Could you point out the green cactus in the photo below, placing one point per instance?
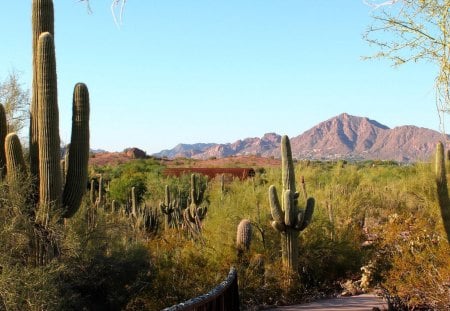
(288, 219)
(244, 236)
(15, 163)
(442, 190)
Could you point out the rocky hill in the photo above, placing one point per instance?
(342, 137)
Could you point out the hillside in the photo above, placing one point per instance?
(341, 137)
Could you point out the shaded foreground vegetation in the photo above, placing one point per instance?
(375, 225)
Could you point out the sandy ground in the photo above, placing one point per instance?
(365, 302)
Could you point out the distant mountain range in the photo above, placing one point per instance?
(342, 137)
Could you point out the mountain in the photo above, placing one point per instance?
(184, 150)
(342, 137)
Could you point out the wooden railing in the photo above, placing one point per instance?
(224, 297)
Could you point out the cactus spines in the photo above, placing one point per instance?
(77, 164)
(244, 235)
(42, 21)
(288, 219)
(50, 183)
(442, 190)
(15, 162)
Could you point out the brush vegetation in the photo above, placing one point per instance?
(375, 225)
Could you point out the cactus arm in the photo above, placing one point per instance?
(14, 159)
(279, 226)
(306, 219)
(287, 165)
(77, 171)
(167, 195)
(275, 206)
(290, 213)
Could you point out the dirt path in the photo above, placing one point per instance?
(365, 302)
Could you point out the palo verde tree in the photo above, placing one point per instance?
(116, 6)
(409, 31)
(15, 99)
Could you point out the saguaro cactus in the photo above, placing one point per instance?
(288, 218)
(77, 162)
(50, 183)
(42, 21)
(197, 209)
(167, 208)
(442, 190)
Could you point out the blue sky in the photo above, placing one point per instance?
(185, 71)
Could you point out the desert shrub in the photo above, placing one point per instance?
(120, 188)
(183, 269)
(412, 257)
(90, 267)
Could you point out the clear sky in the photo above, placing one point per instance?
(189, 71)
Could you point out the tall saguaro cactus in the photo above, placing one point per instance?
(288, 218)
(50, 183)
(45, 166)
(442, 190)
(77, 162)
(42, 21)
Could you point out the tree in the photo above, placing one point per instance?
(16, 100)
(408, 31)
(116, 5)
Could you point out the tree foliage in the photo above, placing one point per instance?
(411, 31)
(16, 99)
(117, 8)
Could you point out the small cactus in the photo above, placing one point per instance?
(197, 209)
(133, 202)
(168, 208)
(244, 235)
(15, 162)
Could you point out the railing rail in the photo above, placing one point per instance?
(224, 297)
